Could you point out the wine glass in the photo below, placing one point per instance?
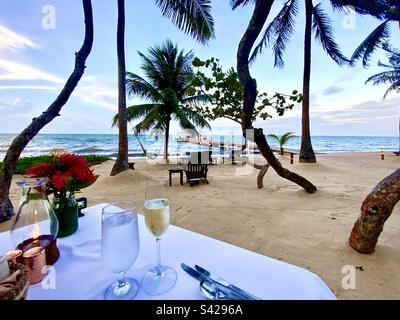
(120, 248)
(160, 278)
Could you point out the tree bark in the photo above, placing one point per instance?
(307, 154)
(375, 210)
(166, 139)
(121, 163)
(258, 19)
(22, 140)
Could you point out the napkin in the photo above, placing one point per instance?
(9, 283)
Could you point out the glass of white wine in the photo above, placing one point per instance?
(160, 278)
(120, 248)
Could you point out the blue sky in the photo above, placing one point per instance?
(35, 62)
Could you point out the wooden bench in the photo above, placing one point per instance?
(396, 153)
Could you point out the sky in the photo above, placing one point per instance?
(38, 39)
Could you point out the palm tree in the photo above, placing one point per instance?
(282, 140)
(121, 163)
(278, 34)
(167, 87)
(191, 16)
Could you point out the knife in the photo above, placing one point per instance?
(199, 276)
(216, 279)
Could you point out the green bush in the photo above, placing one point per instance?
(26, 162)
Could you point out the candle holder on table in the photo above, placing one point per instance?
(34, 229)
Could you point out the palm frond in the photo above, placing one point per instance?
(195, 100)
(236, 3)
(136, 85)
(196, 118)
(191, 16)
(280, 29)
(152, 119)
(324, 34)
(286, 137)
(274, 136)
(394, 87)
(375, 40)
(384, 77)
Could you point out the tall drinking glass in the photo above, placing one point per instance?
(160, 278)
(120, 248)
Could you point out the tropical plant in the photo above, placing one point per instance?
(225, 94)
(260, 14)
(392, 74)
(282, 140)
(37, 124)
(388, 11)
(191, 16)
(167, 87)
(278, 33)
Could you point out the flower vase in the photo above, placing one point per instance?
(66, 210)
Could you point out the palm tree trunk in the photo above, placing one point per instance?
(121, 164)
(166, 139)
(22, 140)
(260, 15)
(307, 154)
(375, 210)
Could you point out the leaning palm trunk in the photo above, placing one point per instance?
(306, 151)
(22, 140)
(375, 210)
(260, 15)
(121, 163)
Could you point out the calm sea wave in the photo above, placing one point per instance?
(107, 144)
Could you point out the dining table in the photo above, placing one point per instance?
(79, 273)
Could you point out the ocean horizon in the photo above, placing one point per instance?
(107, 144)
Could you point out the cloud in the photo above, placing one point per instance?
(11, 70)
(367, 112)
(27, 87)
(97, 91)
(17, 106)
(11, 40)
(331, 90)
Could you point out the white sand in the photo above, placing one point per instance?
(281, 220)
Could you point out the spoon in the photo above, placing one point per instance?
(211, 292)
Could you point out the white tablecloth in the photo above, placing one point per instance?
(80, 274)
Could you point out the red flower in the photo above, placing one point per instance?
(70, 160)
(41, 169)
(68, 173)
(58, 180)
(81, 174)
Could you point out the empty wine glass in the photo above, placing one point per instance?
(160, 278)
(120, 248)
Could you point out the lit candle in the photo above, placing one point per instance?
(35, 259)
(4, 269)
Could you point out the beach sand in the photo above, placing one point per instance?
(281, 220)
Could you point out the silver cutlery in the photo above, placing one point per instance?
(209, 290)
(244, 294)
(225, 290)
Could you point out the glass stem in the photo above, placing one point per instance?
(121, 279)
(158, 267)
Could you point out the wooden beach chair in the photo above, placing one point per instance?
(196, 173)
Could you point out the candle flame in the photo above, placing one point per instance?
(36, 232)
